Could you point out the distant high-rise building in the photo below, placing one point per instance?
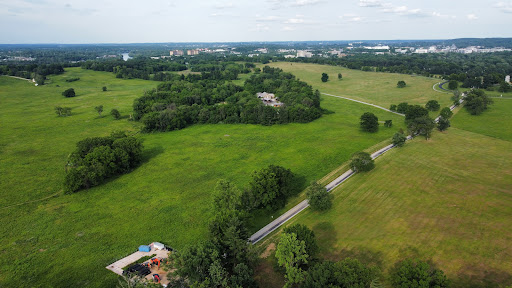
(507, 78)
(176, 52)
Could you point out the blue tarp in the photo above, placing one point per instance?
(144, 248)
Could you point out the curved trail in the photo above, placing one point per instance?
(434, 88)
(376, 106)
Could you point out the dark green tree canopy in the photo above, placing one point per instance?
(362, 162)
(96, 159)
(347, 273)
(476, 101)
(446, 113)
(401, 84)
(421, 126)
(69, 93)
(318, 197)
(402, 107)
(399, 139)
(369, 122)
(443, 124)
(270, 187)
(415, 111)
(325, 77)
(305, 234)
(453, 84)
(415, 273)
(433, 105)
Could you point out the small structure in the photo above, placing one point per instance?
(144, 248)
(507, 78)
(269, 99)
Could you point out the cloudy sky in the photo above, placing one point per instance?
(130, 21)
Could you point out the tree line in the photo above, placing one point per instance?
(180, 103)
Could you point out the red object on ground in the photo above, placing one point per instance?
(156, 277)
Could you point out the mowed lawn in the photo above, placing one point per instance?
(447, 200)
(67, 240)
(375, 88)
(496, 121)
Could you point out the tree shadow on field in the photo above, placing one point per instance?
(326, 236)
(150, 153)
(364, 255)
(480, 276)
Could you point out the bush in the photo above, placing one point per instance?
(388, 123)
(325, 77)
(369, 122)
(72, 79)
(399, 139)
(104, 88)
(63, 111)
(115, 113)
(433, 105)
(69, 93)
(318, 197)
(393, 107)
(401, 84)
(362, 162)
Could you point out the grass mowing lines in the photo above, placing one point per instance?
(447, 199)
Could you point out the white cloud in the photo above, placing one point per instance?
(224, 5)
(267, 18)
(294, 21)
(261, 27)
(437, 14)
(352, 18)
(505, 7)
(371, 3)
(472, 17)
(288, 28)
(405, 11)
(306, 2)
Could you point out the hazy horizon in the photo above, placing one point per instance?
(170, 21)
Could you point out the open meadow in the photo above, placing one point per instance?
(376, 88)
(447, 200)
(67, 240)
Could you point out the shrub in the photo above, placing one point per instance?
(399, 139)
(115, 113)
(446, 113)
(401, 84)
(69, 93)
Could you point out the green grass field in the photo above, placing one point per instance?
(67, 240)
(447, 200)
(375, 88)
(496, 121)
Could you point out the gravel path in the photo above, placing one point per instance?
(376, 106)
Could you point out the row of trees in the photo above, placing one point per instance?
(98, 158)
(139, 67)
(178, 104)
(32, 71)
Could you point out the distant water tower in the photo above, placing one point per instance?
(507, 78)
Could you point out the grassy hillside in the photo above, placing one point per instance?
(375, 88)
(447, 200)
(69, 239)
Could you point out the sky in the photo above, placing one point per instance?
(156, 21)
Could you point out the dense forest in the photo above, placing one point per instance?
(180, 103)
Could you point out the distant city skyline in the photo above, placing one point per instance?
(152, 21)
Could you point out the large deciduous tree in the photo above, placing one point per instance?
(318, 197)
(476, 101)
(291, 254)
(69, 93)
(362, 162)
(325, 77)
(369, 122)
(347, 273)
(433, 105)
(270, 187)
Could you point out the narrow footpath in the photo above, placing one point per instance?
(369, 104)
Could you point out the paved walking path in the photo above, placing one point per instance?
(278, 222)
(376, 106)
